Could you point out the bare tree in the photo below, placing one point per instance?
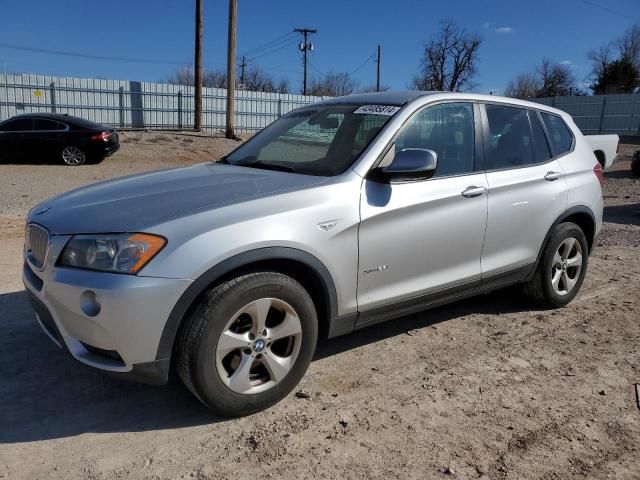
(628, 45)
(373, 89)
(525, 85)
(549, 79)
(449, 61)
(333, 85)
(185, 75)
(600, 58)
(256, 79)
(557, 79)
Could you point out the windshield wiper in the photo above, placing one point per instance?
(267, 166)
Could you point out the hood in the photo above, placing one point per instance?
(136, 202)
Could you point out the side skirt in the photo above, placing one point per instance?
(343, 325)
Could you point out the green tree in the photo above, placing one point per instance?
(618, 76)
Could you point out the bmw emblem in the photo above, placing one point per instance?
(259, 346)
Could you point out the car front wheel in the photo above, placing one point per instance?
(248, 343)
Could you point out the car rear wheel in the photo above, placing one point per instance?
(562, 267)
(73, 156)
(248, 343)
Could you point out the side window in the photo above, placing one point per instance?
(18, 125)
(541, 150)
(447, 129)
(559, 133)
(42, 124)
(509, 143)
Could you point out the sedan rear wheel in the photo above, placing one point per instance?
(73, 156)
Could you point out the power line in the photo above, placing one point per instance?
(315, 69)
(269, 52)
(265, 46)
(86, 55)
(610, 10)
(361, 66)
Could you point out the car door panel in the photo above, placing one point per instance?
(522, 207)
(417, 238)
(424, 236)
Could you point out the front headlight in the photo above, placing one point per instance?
(118, 253)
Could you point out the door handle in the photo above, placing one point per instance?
(551, 176)
(473, 191)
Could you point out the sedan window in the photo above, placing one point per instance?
(43, 124)
(17, 125)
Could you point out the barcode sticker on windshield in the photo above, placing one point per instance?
(378, 109)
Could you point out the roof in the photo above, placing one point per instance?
(403, 97)
(379, 98)
(50, 116)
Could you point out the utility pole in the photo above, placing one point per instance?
(305, 47)
(197, 122)
(231, 69)
(378, 70)
(243, 64)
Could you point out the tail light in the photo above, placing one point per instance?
(104, 136)
(597, 169)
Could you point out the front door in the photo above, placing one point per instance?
(425, 236)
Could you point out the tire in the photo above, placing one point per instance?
(558, 277)
(635, 164)
(73, 156)
(221, 338)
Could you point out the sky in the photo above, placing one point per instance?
(158, 36)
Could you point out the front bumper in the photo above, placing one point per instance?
(122, 337)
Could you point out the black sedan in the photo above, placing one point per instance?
(49, 135)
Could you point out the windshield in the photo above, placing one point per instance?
(319, 140)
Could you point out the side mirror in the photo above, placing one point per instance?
(410, 164)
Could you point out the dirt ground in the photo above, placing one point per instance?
(491, 387)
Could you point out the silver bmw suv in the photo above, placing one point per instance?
(337, 216)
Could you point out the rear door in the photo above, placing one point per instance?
(46, 137)
(422, 237)
(527, 189)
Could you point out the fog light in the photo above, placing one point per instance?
(89, 303)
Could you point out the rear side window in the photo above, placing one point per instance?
(17, 125)
(509, 143)
(447, 129)
(541, 150)
(559, 133)
(43, 124)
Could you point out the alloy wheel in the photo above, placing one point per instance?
(566, 267)
(258, 346)
(73, 156)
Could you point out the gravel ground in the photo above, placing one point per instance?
(139, 152)
(491, 387)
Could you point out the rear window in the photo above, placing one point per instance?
(559, 133)
(541, 150)
(44, 124)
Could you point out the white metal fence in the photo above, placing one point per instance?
(601, 113)
(139, 105)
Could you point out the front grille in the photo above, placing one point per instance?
(37, 244)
